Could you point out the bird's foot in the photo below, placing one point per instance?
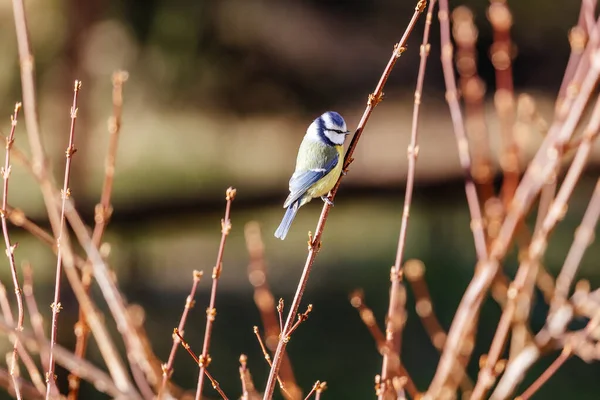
(327, 200)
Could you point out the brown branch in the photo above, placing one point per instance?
(396, 315)
(320, 389)
(103, 213)
(366, 315)
(68, 360)
(56, 306)
(265, 302)
(556, 364)
(584, 235)
(199, 362)
(414, 270)
(528, 267)
(211, 311)
(460, 133)
(189, 304)
(248, 389)
(267, 356)
(10, 248)
(539, 171)
(40, 171)
(26, 358)
(473, 89)
(315, 242)
(501, 54)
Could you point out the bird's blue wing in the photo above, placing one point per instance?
(302, 180)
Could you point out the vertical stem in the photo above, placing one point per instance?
(396, 312)
(102, 216)
(211, 311)
(65, 194)
(315, 243)
(10, 249)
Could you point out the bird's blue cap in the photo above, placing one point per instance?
(335, 118)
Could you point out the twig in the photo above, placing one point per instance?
(501, 56)
(473, 91)
(198, 361)
(556, 364)
(211, 311)
(368, 318)
(584, 235)
(37, 322)
(265, 302)
(10, 248)
(29, 391)
(40, 171)
(68, 360)
(102, 215)
(320, 389)
(396, 315)
(32, 370)
(460, 133)
(314, 388)
(536, 249)
(315, 242)
(248, 389)
(189, 304)
(268, 360)
(65, 193)
(414, 271)
(538, 172)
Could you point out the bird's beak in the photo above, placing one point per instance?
(347, 133)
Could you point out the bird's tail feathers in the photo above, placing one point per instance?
(286, 222)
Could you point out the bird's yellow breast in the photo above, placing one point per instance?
(324, 185)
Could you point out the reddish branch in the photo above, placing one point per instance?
(211, 311)
(10, 248)
(65, 194)
(103, 213)
(315, 241)
(396, 315)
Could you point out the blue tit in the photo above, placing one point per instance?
(318, 166)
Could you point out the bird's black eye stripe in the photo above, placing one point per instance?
(336, 131)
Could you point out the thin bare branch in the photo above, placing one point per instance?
(315, 241)
(396, 315)
(189, 304)
(102, 215)
(211, 311)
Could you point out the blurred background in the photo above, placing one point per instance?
(220, 94)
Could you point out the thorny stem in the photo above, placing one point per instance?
(103, 213)
(396, 311)
(211, 311)
(65, 194)
(189, 304)
(314, 247)
(198, 361)
(10, 248)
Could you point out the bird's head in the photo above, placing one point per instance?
(330, 128)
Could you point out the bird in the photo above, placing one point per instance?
(318, 166)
